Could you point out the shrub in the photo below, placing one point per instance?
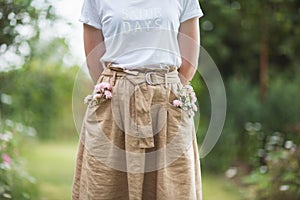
(41, 98)
(279, 112)
(277, 173)
(15, 182)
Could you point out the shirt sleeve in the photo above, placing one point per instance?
(90, 14)
(190, 9)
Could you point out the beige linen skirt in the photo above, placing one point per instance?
(138, 145)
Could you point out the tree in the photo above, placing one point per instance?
(19, 25)
(40, 85)
(256, 40)
(247, 37)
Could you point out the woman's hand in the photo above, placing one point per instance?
(94, 49)
(189, 40)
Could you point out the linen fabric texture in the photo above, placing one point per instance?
(140, 32)
(137, 145)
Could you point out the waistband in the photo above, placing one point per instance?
(151, 76)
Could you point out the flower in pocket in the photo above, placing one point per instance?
(107, 94)
(100, 90)
(102, 87)
(177, 103)
(186, 100)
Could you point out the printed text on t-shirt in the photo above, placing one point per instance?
(141, 19)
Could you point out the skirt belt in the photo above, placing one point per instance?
(137, 76)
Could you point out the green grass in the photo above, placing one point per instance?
(219, 188)
(52, 164)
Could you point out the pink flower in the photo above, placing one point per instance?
(6, 159)
(177, 103)
(107, 94)
(97, 88)
(104, 86)
(87, 99)
(97, 96)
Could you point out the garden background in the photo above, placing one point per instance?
(255, 45)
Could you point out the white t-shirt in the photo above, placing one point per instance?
(140, 32)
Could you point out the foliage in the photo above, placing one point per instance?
(41, 98)
(277, 173)
(15, 182)
(232, 31)
(40, 88)
(280, 112)
(20, 23)
(15, 14)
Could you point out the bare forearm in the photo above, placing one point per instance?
(94, 50)
(188, 39)
(186, 72)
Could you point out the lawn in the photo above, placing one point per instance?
(52, 164)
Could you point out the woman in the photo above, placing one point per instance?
(138, 137)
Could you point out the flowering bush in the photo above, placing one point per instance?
(186, 100)
(15, 183)
(277, 175)
(100, 90)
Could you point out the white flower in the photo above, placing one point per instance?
(284, 187)
(189, 88)
(193, 97)
(288, 144)
(191, 113)
(6, 136)
(231, 172)
(195, 108)
(263, 169)
(186, 100)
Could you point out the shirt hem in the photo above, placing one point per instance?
(195, 13)
(89, 22)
